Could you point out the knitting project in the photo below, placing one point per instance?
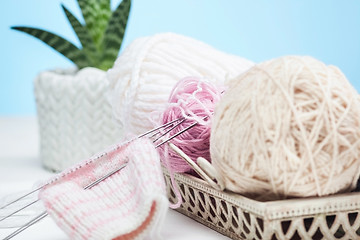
(130, 204)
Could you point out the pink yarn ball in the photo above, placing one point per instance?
(193, 99)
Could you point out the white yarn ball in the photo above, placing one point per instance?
(288, 127)
(145, 73)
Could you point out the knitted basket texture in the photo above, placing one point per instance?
(74, 116)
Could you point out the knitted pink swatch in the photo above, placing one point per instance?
(130, 204)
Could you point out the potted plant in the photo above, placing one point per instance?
(74, 116)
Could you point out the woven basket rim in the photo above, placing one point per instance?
(278, 209)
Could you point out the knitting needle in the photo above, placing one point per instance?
(106, 176)
(172, 128)
(157, 128)
(140, 136)
(27, 225)
(44, 214)
(27, 194)
(165, 128)
(178, 133)
(22, 208)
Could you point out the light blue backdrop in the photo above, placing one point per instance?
(258, 30)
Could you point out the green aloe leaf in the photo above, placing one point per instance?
(84, 36)
(60, 44)
(114, 34)
(96, 14)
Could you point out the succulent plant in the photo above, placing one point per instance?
(100, 36)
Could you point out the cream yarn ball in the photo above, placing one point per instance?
(147, 70)
(289, 127)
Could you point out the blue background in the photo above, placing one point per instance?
(258, 30)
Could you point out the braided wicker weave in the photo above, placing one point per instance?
(238, 217)
(75, 119)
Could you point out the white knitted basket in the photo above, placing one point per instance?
(238, 217)
(75, 118)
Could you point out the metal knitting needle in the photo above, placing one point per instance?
(106, 176)
(172, 128)
(159, 131)
(44, 214)
(28, 224)
(27, 194)
(26, 206)
(178, 133)
(162, 126)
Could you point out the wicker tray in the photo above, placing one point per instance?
(238, 217)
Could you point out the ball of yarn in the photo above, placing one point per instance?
(193, 99)
(289, 127)
(145, 73)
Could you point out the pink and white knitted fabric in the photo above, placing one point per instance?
(130, 204)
